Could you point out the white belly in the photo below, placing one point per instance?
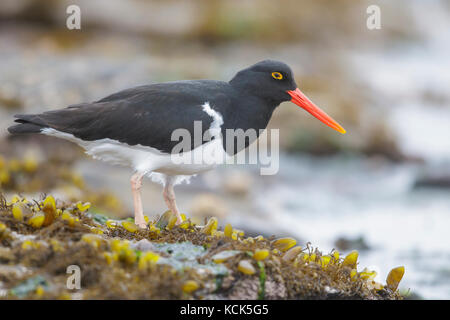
(147, 159)
(158, 165)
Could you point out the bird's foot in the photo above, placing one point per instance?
(140, 223)
(179, 220)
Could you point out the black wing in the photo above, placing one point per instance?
(145, 115)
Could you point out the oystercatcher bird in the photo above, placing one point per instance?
(134, 127)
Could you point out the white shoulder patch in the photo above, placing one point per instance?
(217, 119)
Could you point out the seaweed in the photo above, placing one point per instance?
(118, 260)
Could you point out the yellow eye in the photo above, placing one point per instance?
(277, 75)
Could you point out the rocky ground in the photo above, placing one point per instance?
(41, 239)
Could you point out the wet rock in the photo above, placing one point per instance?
(28, 286)
(143, 245)
(245, 289)
(180, 263)
(10, 102)
(274, 290)
(208, 205)
(238, 183)
(344, 243)
(433, 181)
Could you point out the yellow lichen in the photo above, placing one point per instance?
(111, 224)
(190, 286)
(50, 203)
(324, 261)
(108, 257)
(3, 227)
(40, 291)
(30, 164)
(240, 233)
(83, 206)
(210, 226)
(246, 267)
(117, 245)
(92, 239)
(49, 208)
(130, 226)
(394, 277)
(351, 259)
(228, 230)
(353, 274)
(172, 222)
(96, 230)
(127, 255)
(17, 212)
(147, 259)
(29, 244)
(154, 228)
(366, 274)
(260, 254)
(222, 256)
(67, 216)
(37, 220)
(377, 286)
(292, 253)
(56, 245)
(259, 238)
(4, 177)
(284, 244)
(336, 255)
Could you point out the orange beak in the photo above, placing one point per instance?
(302, 101)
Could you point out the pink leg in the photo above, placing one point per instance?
(169, 197)
(136, 184)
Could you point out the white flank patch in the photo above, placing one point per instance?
(217, 120)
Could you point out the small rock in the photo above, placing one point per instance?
(208, 205)
(433, 181)
(143, 245)
(343, 243)
(238, 183)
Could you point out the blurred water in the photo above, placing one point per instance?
(410, 83)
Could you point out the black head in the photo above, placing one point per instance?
(268, 79)
(273, 82)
